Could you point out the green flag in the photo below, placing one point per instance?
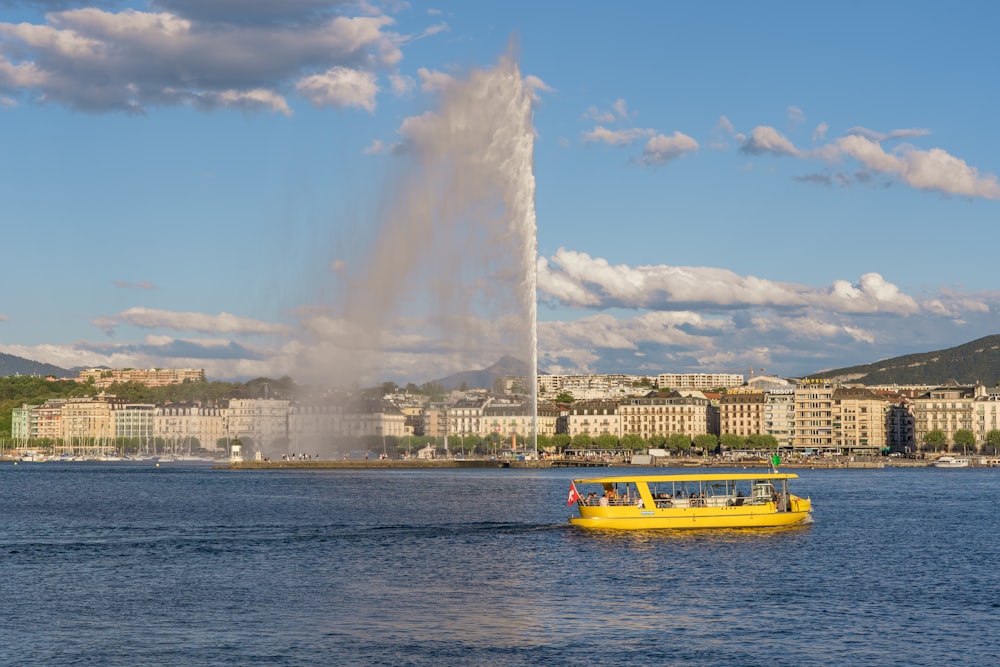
(776, 460)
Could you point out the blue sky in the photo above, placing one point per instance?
(718, 185)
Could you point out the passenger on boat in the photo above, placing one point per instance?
(591, 499)
(604, 501)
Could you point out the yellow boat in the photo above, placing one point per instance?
(716, 500)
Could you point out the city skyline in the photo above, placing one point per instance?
(790, 190)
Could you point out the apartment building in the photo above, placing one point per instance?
(187, 426)
(742, 413)
(103, 378)
(666, 381)
(261, 424)
(779, 416)
(813, 427)
(946, 409)
(594, 418)
(860, 417)
(669, 414)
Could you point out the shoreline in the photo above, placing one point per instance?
(444, 464)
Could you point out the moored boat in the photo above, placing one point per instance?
(716, 500)
(951, 462)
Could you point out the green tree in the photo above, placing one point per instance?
(561, 440)
(706, 442)
(606, 441)
(934, 440)
(763, 441)
(564, 397)
(657, 440)
(965, 440)
(992, 442)
(544, 442)
(582, 441)
(733, 441)
(679, 442)
(634, 441)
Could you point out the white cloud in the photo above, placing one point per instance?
(578, 280)
(933, 169)
(765, 139)
(96, 60)
(662, 149)
(340, 87)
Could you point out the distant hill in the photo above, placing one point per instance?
(11, 365)
(483, 379)
(978, 361)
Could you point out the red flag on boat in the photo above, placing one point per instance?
(574, 495)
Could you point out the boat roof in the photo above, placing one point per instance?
(710, 477)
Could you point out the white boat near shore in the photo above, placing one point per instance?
(951, 462)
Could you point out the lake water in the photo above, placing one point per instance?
(128, 564)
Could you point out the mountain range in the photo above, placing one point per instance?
(976, 361)
(12, 365)
(484, 378)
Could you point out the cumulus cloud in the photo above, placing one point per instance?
(340, 87)
(932, 169)
(765, 139)
(228, 54)
(578, 280)
(662, 149)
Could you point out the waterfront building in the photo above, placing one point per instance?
(434, 420)
(667, 414)
(946, 409)
(742, 413)
(899, 421)
(88, 427)
(859, 420)
(779, 416)
(184, 427)
(261, 424)
(134, 421)
(465, 416)
(813, 426)
(986, 417)
(333, 425)
(594, 418)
